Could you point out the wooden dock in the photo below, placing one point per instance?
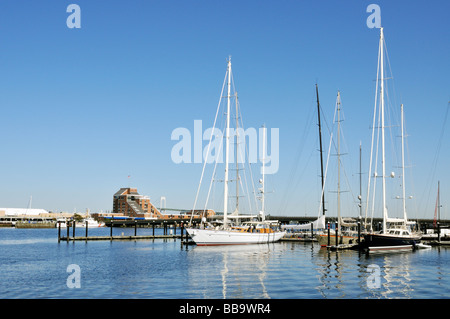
(150, 237)
(183, 236)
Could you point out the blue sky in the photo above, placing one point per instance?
(82, 109)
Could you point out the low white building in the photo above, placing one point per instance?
(23, 212)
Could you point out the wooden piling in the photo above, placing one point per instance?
(337, 234)
(439, 231)
(181, 230)
(329, 233)
(359, 232)
(59, 231)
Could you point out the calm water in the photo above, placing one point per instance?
(33, 265)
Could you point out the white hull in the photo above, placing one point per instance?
(91, 225)
(212, 237)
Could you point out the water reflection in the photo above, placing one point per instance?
(240, 271)
(335, 274)
(341, 270)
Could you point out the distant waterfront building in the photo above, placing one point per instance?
(128, 202)
(30, 212)
(9, 216)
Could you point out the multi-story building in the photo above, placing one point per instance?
(129, 202)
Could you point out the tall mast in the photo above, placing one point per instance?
(263, 213)
(360, 184)
(339, 161)
(321, 153)
(227, 148)
(403, 170)
(237, 155)
(383, 160)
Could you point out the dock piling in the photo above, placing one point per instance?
(359, 232)
(181, 231)
(328, 233)
(59, 231)
(337, 234)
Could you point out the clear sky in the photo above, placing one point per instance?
(84, 108)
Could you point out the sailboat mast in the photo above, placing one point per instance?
(321, 153)
(339, 162)
(237, 155)
(227, 149)
(383, 160)
(403, 170)
(360, 184)
(263, 213)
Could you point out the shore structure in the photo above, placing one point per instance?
(31, 217)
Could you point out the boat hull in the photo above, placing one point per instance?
(212, 237)
(385, 242)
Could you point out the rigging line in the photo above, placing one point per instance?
(373, 133)
(243, 156)
(376, 164)
(251, 171)
(293, 171)
(240, 118)
(394, 109)
(209, 145)
(325, 177)
(340, 161)
(411, 171)
(213, 174)
(436, 157)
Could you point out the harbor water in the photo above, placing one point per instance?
(34, 266)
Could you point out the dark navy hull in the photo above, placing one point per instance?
(384, 242)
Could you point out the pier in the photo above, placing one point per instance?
(185, 238)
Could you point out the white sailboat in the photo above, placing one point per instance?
(395, 234)
(229, 233)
